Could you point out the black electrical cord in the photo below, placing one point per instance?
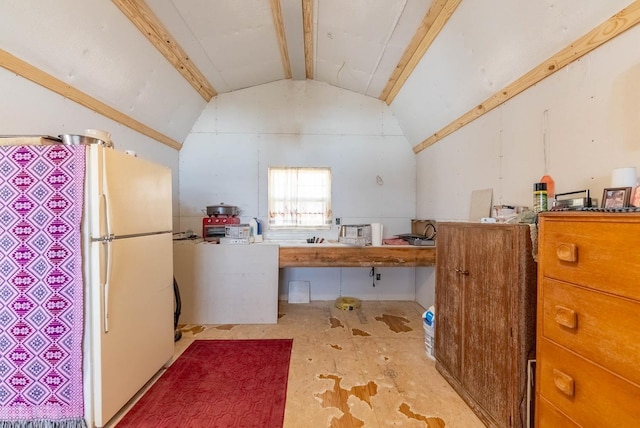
(177, 333)
(372, 274)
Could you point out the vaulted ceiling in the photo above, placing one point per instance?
(359, 45)
(152, 65)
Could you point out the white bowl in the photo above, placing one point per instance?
(97, 133)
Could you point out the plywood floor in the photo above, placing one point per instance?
(362, 368)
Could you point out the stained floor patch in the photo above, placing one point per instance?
(431, 422)
(338, 347)
(194, 329)
(335, 322)
(337, 397)
(395, 323)
(225, 327)
(358, 332)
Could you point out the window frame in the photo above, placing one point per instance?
(324, 199)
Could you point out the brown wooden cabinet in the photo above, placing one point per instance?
(588, 365)
(485, 316)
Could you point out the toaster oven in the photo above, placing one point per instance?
(214, 227)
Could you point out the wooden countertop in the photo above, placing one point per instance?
(348, 256)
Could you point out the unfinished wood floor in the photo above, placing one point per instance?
(362, 368)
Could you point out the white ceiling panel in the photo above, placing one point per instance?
(178, 27)
(351, 39)
(238, 37)
(292, 14)
(356, 44)
(412, 15)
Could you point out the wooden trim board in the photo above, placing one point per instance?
(611, 28)
(34, 74)
(143, 18)
(307, 25)
(276, 12)
(432, 23)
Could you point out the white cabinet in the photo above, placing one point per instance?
(227, 284)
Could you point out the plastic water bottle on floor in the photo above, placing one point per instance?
(429, 322)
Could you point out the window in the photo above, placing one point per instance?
(299, 198)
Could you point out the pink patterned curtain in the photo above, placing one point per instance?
(299, 197)
(41, 286)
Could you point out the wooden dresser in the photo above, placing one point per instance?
(588, 332)
(485, 317)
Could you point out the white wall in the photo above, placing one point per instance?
(93, 47)
(593, 127)
(485, 46)
(292, 123)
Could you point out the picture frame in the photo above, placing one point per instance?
(616, 197)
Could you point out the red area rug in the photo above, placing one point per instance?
(219, 383)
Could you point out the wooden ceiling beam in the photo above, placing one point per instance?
(608, 30)
(34, 74)
(144, 19)
(307, 25)
(432, 23)
(276, 12)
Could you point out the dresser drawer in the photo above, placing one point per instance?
(598, 326)
(548, 416)
(596, 254)
(588, 394)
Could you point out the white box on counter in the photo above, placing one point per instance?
(355, 234)
(237, 231)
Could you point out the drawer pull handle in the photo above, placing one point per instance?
(566, 317)
(567, 252)
(564, 382)
(462, 271)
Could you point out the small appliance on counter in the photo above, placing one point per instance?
(355, 234)
(218, 217)
(423, 233)
(417, 240)
(568, 201)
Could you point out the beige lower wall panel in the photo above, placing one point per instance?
(226, 283)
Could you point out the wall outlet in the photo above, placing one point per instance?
(338, 219)
(378, 277)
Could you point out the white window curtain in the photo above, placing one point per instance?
(299, 197)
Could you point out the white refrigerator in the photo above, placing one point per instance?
(127, 256)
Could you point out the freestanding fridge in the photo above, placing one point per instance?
(127, 257)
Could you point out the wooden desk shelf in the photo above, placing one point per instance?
(346, 256)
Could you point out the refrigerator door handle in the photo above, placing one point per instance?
(107, 282)
(107, 210)
(106, 240)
